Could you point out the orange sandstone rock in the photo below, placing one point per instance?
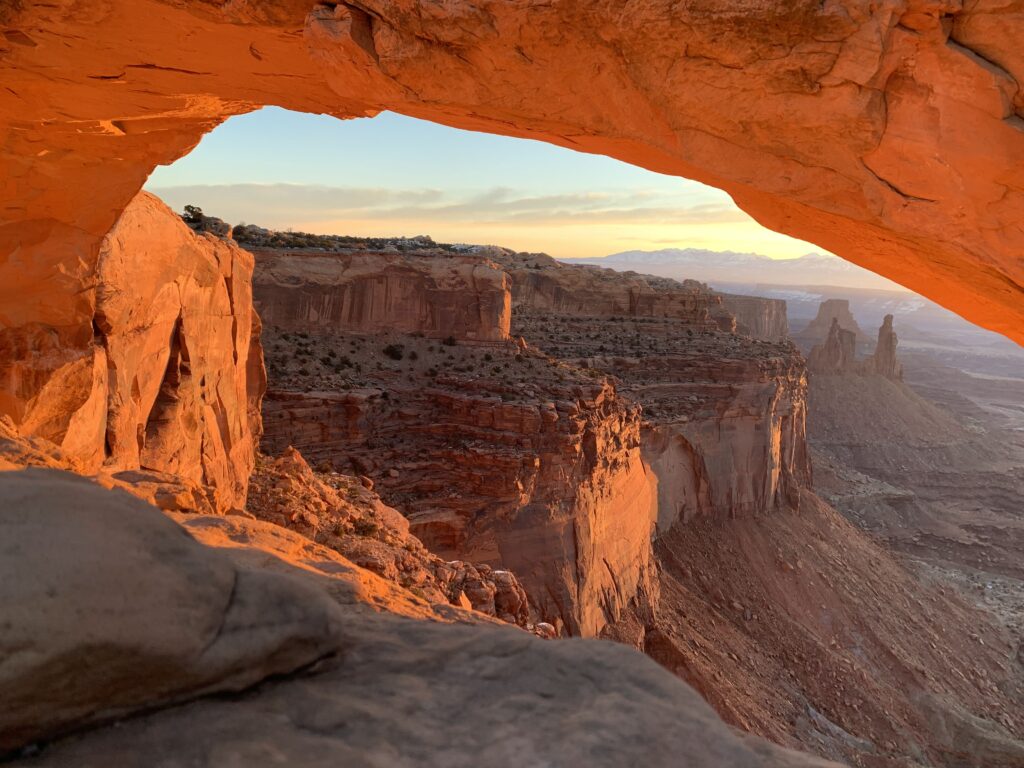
(889, 132)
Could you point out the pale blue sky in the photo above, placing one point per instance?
(395, 175)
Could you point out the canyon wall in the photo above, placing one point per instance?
(758, 317)
(745, 455)
(538, 476)
(169, 379)
(724, 415)
(437, 294)
(542, 284)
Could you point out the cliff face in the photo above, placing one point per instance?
(542, 284)
(883, 361)
(436, 294)
(497, 455)
(167, 379)
(758, 317)
(869, 117)
(837, 354)
(724, 415)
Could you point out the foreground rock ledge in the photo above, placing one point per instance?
(117, 610)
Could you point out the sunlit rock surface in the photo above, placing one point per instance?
(443, 296)
(163, 381)
(261, 602)
(888, 132)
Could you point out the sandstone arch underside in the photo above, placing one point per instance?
(888, 131)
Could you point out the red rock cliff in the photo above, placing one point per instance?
(436, 294)
(887, 132)
(538, 470)
(724, 415)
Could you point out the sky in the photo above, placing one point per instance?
(394, 175)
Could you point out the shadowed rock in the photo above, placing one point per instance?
(109, 607)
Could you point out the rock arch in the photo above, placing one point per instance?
(888, 131)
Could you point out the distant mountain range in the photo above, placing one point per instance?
(730, 267)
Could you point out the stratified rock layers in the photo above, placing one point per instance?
(555, 491)
(830, 311)
(441, 296)
(837, 354)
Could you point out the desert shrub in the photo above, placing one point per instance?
(394, 351)
(193, 214)
(364, 527)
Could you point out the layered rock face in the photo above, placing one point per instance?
(724, 430)
(432, 292)
(497, 455)
(792, 623)
(758, 317)
(883, 361)
(542, 284)
(170, 379)
(838, 353)
(343, 513)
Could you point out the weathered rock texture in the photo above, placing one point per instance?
(758, 317)
(883, 361)
(724, 415)
(164, 380)
(434, 293)
(837, 355)
(128, 615)
(538, 471)
(542, 284)
(343, 513)
(124, 611)
(764, 595)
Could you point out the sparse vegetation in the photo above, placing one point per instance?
(394, 351)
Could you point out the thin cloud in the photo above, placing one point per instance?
(282, 205)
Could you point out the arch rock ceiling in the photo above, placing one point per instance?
(887, 131)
